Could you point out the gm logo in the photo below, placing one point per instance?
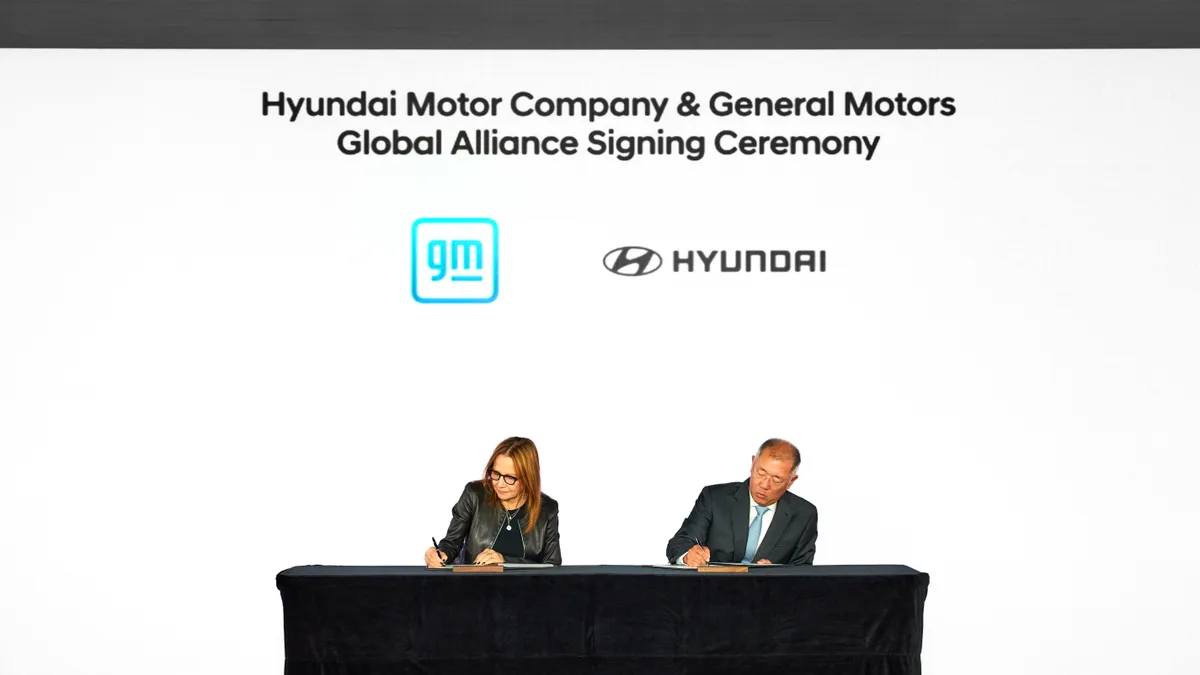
(632, 261)
(455, 260)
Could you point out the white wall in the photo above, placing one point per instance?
(211, 368)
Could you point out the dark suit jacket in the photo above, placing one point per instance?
(720, 520)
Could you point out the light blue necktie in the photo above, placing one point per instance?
(755, 530)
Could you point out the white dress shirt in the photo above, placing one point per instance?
(766, 524)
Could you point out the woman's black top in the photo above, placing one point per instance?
(510, 544)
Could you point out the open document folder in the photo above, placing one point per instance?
(713, 564)
(508, 565)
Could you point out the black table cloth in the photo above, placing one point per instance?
(819, 620)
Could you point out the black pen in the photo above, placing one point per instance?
(435, 548)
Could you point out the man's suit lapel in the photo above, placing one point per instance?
(779, 523)
(740, 520)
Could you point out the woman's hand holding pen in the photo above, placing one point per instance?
(434, 558)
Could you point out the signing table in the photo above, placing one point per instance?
(811, 620)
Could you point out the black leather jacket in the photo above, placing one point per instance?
(476, 522)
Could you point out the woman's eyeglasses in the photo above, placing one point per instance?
(495, 476)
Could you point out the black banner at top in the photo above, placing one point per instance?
(600, 24)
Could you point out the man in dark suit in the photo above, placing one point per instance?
(756, 520)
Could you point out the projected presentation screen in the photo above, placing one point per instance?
(261, 309)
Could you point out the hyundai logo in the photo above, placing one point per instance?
(632, 261)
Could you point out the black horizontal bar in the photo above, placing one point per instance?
(600, 24)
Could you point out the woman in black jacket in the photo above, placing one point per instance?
(504, 517)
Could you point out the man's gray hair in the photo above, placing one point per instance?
(780, 449)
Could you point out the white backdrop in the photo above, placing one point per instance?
(211, 367)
